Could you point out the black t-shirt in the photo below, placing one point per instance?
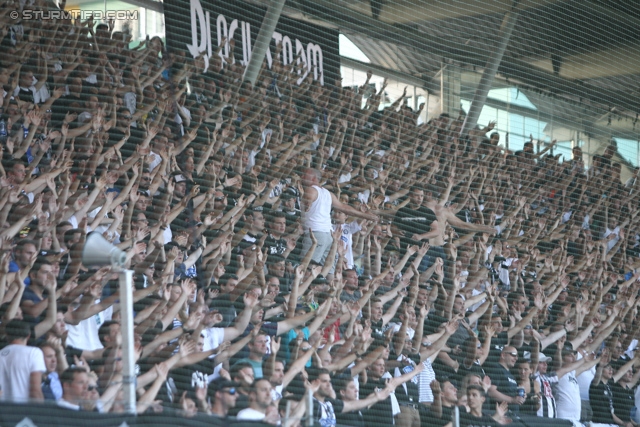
(381, 413)
(69, 352)
(25, 95)
(498, 342)
(410, 395)
(350, 419)
(469, 420)
(378, 331)
(447, 413)
(601, 398)
(413, 221)
(623, 401)
(504, 382)
(275, 246)
(475, 369)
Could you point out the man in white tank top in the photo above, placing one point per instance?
(317, 203)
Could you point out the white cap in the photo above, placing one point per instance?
(544, 358)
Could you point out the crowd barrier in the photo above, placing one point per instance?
(43, 415)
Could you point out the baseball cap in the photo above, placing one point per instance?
(222, 383)
(179, 178)
(543, 358)
(568, 349)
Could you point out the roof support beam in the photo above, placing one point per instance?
(489, 74)
(265, 34)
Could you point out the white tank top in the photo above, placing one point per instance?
(318, 216)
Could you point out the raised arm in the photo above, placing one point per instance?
(338, 205)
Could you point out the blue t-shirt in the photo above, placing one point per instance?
(290, 336)
(13, 268)
(30, 295)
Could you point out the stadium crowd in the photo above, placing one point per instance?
(286, 239)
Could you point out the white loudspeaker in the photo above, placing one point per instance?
(99, 252)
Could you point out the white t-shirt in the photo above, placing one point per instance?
(17, 362)
(344, 178)
(426, 376)
(85, 117)
(213, 337)
(64, 404)
(568, 403)
(250, 414)
(156, 160)
(348, 230)
(611, 243)
(503, 273)
(130, 101)
(84, 335)
(585, 379)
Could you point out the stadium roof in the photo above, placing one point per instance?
(583, 53)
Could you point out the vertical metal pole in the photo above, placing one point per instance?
(264, 38)
(287, 413)
(426, 108)
(479, 98)
(309, 409)
(126, 328)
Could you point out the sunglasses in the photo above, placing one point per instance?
(514, 354)
(92, 388)
(231, 391)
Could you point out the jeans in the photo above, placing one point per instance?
(325, 240)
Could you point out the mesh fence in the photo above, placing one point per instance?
(412, 213)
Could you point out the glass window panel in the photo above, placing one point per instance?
(628, 149)
(516, 142)
(511, 95)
